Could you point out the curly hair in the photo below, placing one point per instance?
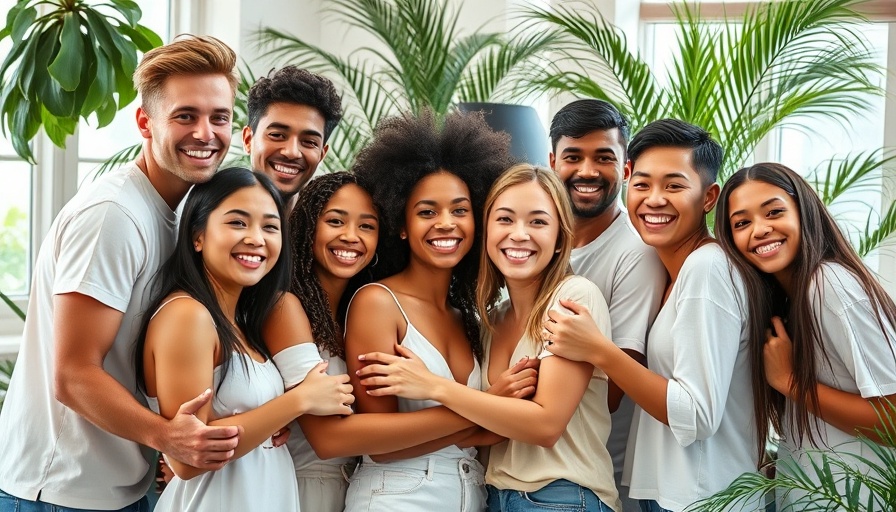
(304, 283)
(407, 148)
(294, 85)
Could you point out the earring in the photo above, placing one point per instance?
(376, 259)
(403, 235)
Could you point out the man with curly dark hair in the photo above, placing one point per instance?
(292, 113)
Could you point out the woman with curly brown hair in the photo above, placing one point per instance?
(429, 183)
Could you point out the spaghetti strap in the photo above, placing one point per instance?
(172, 299)
(403, 314)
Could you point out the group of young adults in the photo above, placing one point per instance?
(349, 343)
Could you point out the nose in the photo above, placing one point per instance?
(655, 197)
(254, 237)
(446, 222)
(761, 229)
(349, 234)
(520, 234)
(292, 148)
(204, 131)
(587, 169)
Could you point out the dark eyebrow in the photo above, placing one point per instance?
(345, 213)
(763, 205)
(574, 149)
(244, 213)
(430, 202)
(642, 174)
(285, 127)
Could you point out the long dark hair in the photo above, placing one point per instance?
(407, 148)
(185, 271)
(821, 241)
(327, 331)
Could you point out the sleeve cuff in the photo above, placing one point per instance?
(681, 413)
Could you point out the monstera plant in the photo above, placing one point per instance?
(69, 59)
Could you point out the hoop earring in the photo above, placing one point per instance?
(376, 259)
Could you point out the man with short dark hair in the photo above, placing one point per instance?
(75, 430)
(589, 138)
(292, 113)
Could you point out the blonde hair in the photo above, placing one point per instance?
(186, 55)
(491, 280)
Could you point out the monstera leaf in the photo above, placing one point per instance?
(69, 59)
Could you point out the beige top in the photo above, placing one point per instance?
(580, 455)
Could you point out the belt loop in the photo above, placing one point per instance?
(431, 468)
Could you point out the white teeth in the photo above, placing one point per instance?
(445, 243)
(518, 253)
(586, 190)
(198, 154)
(763, 249)
(346, 255)
(284, 169)
(249, 258)
(658, 219)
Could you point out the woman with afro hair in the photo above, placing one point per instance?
(429, 180)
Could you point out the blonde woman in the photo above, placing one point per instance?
(555, 454)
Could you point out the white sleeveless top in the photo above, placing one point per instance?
(435, 363)
(264, 478)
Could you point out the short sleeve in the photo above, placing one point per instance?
(582, 291)
(637, 290)
(100, 253)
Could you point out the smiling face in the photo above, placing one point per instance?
(593, 168)
(439, 222)
(765, 225)
(522, 231)
(345, 236)
(287, 145)
(242, 239)
(667, 202)
(188, 126)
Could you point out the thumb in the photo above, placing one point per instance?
(405, 352)
(321, 366)
(573, 306)
(195, 404)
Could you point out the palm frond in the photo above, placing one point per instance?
(873, 238)
(12, 305)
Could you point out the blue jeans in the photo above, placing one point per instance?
(9, 503)
(557, 496)
(651, 506)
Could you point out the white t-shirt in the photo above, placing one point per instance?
(631, 278)
(861, 362)
(699, 341)
(106, 243)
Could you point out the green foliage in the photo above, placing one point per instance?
(74, 61)
(427, 63)
(6, 368)
(834, 481)
(781, 62)
(13, 249)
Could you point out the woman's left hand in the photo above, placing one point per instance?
(575, 336)
(777, 357)
(403, 375)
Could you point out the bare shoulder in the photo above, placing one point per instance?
(373, 298)
(181, 318)
(288, 306)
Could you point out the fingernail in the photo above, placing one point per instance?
(361, 357)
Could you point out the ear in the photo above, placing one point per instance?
(247, 139)
(197, 242)
(144, 123)
(323, 153)
(552, 160)
(711, 197)
(627, 170)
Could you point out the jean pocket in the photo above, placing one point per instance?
(400, 482)
(564, 498)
